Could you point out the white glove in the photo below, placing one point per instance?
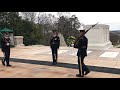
(8, 44)
(72, 45)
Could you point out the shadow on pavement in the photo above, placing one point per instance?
(68, 65)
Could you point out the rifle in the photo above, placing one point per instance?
(91, 27)
(77, 40)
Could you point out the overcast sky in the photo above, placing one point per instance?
(110, 18)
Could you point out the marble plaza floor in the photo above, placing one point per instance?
(35, 62)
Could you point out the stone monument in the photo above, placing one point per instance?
(18, 40)
(62, 41)
(98, 37)
(12, 39)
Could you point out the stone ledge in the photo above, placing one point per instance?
(18, 36)
(100, 46)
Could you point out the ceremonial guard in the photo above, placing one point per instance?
(54, 44)
(82, 43)
(5, 47)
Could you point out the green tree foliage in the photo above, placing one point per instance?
(47, 23)
(68, 26)
(9, 19)
(21, 27)
(36, 28)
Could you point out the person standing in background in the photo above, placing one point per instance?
(5, 47)
(54, 45)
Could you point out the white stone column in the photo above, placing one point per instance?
(12, 39)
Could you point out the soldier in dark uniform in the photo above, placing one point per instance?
(5, 47)
(54, 44)
(82, 53)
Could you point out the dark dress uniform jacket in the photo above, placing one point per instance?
(55, 42)
(82, 46)
(4, 42)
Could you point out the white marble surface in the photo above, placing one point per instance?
(75, 52)
(60, 51)
(109, 54)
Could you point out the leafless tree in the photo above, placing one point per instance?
(65, 14)
(47, 21)
(31, 16)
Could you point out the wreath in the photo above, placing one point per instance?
(71, 40)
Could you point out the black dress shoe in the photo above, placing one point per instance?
(55, 63)
(87, 72)
(78, 75)
(9, 65)
(3, 62)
